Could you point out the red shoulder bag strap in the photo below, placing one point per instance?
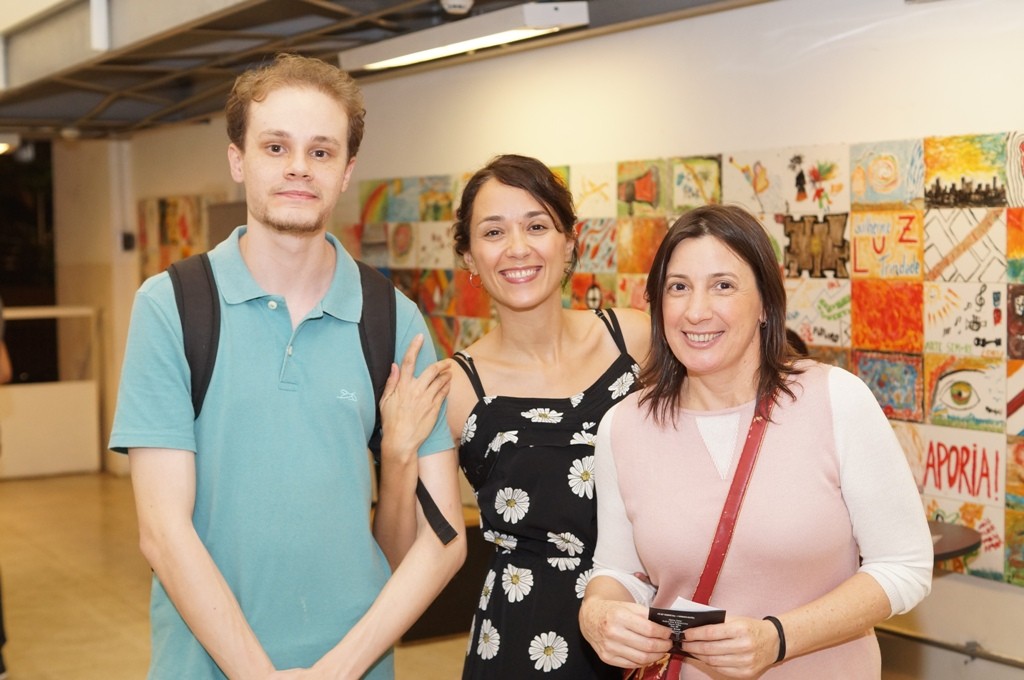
(731, 509)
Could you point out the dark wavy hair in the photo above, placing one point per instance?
(292, 70)
(533, 177)
(740, 232)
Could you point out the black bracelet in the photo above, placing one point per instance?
(782, 637)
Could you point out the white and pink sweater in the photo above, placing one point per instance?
(831, 494)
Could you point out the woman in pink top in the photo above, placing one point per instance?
(831, 537)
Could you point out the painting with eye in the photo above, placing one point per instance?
(967, 392)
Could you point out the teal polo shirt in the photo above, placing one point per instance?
(283, 485)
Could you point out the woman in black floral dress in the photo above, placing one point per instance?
(524, 409)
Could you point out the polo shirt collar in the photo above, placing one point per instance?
(237, 285)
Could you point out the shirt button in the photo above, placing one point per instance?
(272, 304)
(289, 350)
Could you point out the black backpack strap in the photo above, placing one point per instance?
(377, 329)
(195, 291)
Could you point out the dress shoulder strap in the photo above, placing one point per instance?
(612, 323)
(466, 361)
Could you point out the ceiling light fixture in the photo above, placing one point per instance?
(499, 27)
(9, 142)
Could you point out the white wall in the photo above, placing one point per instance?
(776, 74)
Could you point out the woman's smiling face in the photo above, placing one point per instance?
(516, 246)
(712, 310)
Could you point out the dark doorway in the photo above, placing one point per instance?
(27, 259)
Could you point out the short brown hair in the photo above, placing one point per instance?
(290, 70)
(533, 177)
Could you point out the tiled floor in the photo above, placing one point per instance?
(76, 589)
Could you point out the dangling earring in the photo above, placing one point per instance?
(478, 282)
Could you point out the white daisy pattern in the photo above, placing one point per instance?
(506, 542)
(548, 651)
(469, 429)
(585, 438)
(581, 476)
(490, 640)
(485, 593)
(622, 386)
(513, 504)
(542, 415)
(581, 583)
(503, 438)
(564, 563)
(566, 542)
(517, 583)
(576, 399)
(487, 400)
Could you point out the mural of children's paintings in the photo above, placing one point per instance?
(696, 181)
(631, 290)
(1015, 169)
(594, 187)
(746, 181)
(968, 392)
(435, 198)
(962, 478)
(597, 245)
(965, 319)
(887, 175)
(1014, 568)
(408, 282)
(912, 443)
(1015, 398)
(638, 241)
(470, 297)
(819, 310)
(351, 237)
(896, 380)
(642, 188)
(887, 244)
(1015, 245)
(592, 291)
(435, 245)
(965, 244)
(373, 197)
(468, 330)
(887, 315)
(443, 333)
(401, 245)
(170, 229)
(811, 180)
(437, 292)
(1015, 511)
(965, 171)
(374, 246)
(1015, 321)
(816, 247)
(403, 203)
(988, 520)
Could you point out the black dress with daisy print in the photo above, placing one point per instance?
(531, 462)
